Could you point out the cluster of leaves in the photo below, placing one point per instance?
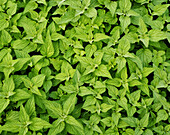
(84, 67)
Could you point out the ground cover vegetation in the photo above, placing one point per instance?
(84, 67)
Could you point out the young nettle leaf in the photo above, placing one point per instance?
(131, 121)
(100, 36)
(38, 80)
(29, 27)
(122, 51)
(38, 124)
(57, 127)
(3, 22)
(47, 48)
(111, 6)
(156, 35)
(7, 91)
(34, 83)
(69, 104)
(5, 37)
(3, 104)
(145, 55)
(103, 71)
(7, 65)
(144, 121)
(161, 115)
(31, 5)
(73, 123)
(160, 9)
(54, 109)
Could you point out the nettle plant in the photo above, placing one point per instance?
(84, 67)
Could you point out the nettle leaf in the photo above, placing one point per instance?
(5, 37)
(144, 121)
(160, 9)
(145, 55)
(38, 80)
(131, 121)
(74, 126)
(23, 116)
(69, 104)
(58, 127)
(54, 108)
(121, 63)
(156, 35)
(161, 115)
(31, 5)
(103, 71)
(67, 17)
(38, 124)
(3, 24)
(47, 48)
(111, 6)
(29, 26)
(124, 22)
(3, 104)
(125, 5)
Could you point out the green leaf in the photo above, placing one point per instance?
(20, 95)
(13, 126)
(90, 49)
(162, 100)
(35, 90)
(125, 5)
(131, 121)
(111, 6)
(5, 37)
(100, 36)
(31, 5)
(9, 85)
(161, 115)
(3, 104)
(142, 27)
(19, 44)
(103, 71)
(67, 17)
(105, 107)
(54, 109)
(121, 63)
(123, 103)
(91, 12)
(38, 124)
(3, 24)
(160, 9)
(69, 104)
(47, 48)
(124, 22)
(145, 40)
(38, 80)
(115, 81)
(85, 91)
(144, 121)
(58, 127)
(123, 46)
(56, 36)
(23, 116)
(156, 35)
(145, 55)
(72, 121)
(30, 106)
(146, 71)
(29, 26)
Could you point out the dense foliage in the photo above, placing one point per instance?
(84, 67)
